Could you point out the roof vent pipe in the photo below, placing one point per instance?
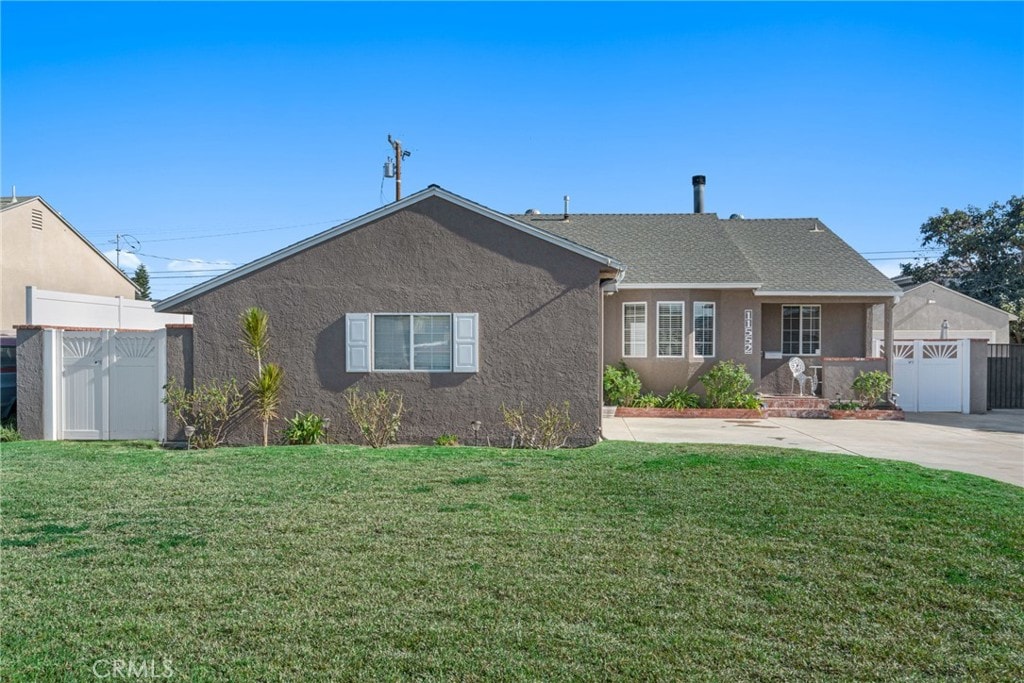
(698, 193)
(565, 214)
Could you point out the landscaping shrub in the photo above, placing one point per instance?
(210, 408)
(9, 432)
(844, 405)
(648, 400)
(680, 399)
(305, 429)
(446, 440)
(621, 384)
(265, 385)
(550, 429)
(728, 386)
(377, 415)
(872, 387)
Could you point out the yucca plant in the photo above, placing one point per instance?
(266, 384)
(266, 393)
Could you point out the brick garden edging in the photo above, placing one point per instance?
(867, 415)
(720, 413)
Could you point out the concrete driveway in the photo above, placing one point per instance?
(991, 445)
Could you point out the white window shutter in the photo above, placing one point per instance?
(466, 342)
(357, 342)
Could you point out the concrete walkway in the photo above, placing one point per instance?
(991, 445)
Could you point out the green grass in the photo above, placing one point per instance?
(630, 561)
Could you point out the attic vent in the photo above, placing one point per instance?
(533, 212)
(37, 219)
(736, 216)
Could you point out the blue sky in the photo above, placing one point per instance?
(179, 122)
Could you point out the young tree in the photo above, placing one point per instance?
(266, 384)
(141, 280)
(983, 253)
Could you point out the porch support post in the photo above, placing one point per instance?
(888, 336)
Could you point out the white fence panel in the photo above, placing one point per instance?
(933, 375)
(83, 385)
(134, 389)
(108, 386)
(67, 309)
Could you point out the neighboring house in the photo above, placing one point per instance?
(923, 308)
(464, 309)
(38, 248)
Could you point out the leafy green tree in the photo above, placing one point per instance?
(983, 253)
(141, 280)
(265, 385)
(1016, 326)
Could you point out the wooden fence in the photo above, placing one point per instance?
(1005, 376)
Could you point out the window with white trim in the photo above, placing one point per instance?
(670, 329)
(634, 330)
(704, 329)
(411, 342)
(801, 330)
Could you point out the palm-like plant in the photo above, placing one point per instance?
(266, 392)
(256, 333)
(267, 382)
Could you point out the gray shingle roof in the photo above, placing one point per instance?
(784, 255)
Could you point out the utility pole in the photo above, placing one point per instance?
(399, 155)
(128, 239)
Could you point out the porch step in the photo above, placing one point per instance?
(810, 407)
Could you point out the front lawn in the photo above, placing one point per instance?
(632, 561)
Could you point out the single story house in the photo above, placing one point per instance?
(930, 310)
(464, 309)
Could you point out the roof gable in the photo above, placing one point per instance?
(9, 203)
(971, 299)
(338, 230)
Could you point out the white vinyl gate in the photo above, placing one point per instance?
(109, 384)
(932, 376)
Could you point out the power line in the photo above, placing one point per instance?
(245, 231)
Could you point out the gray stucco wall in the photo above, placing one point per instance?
(660, 375)
(838, 375)
(539, 322)
(30, 383)
(979, 376)
(915, 318)
(843, 334)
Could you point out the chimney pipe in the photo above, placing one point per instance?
(698, 193)
(565, 215)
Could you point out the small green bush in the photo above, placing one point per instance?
(648, 400)
(305, 429)
(9, 432)
(550, 429)
(447, 440)
(844, 405)
(872, 387)
(210, 408)
(376, 415)
(621, 384)
(728, 386)
(680, 399)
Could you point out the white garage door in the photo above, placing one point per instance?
(932, 376)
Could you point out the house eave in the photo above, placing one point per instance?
(827, 293)
(689, 285)
(170, 303)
